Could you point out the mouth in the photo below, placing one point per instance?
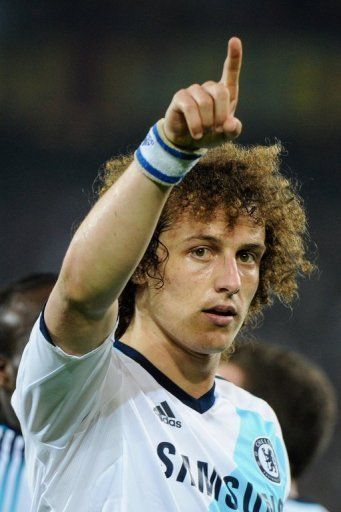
(220, 315)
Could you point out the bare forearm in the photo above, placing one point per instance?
(103, 254)
(112, 240)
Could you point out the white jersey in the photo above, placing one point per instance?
(300, 505)
(14, 493)
(108, 432)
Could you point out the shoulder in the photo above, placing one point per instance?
(258, 429)
(242, 399)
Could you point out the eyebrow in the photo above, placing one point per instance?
(260, 247)
(255, 247)
(209, 238)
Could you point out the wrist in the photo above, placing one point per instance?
(162, 161)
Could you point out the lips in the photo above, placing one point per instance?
(221, 310)
(220, 315)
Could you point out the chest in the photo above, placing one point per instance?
(232, 456)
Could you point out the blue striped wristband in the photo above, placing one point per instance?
(163, 162)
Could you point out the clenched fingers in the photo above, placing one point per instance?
(205, 107)
(184, 104)
(221, 104)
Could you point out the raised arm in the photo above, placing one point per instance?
(111, 241)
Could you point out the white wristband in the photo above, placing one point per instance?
(163, 162)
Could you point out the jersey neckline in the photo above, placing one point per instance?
(201, 405)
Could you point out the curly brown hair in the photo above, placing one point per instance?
(242, 181)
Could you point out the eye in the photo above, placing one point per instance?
(201, 252)
(247, 257)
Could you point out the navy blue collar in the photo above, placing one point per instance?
(200, 405)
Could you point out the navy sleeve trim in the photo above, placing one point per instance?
(43, 328)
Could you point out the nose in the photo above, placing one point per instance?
(227, 278)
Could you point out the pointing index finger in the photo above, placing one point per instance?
(231, 69)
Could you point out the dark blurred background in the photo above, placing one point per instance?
(84, 80)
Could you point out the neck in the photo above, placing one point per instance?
(191, 371)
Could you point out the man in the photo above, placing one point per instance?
(192, 258)
(20, 305)
(300, 394)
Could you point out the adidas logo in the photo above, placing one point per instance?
(166, 415)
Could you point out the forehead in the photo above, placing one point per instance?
(243, 229)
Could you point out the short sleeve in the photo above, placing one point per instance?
(56, 391)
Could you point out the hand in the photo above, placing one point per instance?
(203, 115)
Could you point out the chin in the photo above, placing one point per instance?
(214, 345)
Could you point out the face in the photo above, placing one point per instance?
(210, 279)
(19, 318)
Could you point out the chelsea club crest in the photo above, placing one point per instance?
(266, 459)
